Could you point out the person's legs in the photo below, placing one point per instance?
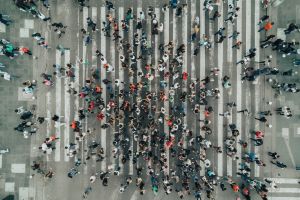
(287, 31)
(262, 28)
(5, 22)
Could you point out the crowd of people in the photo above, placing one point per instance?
(173, 159)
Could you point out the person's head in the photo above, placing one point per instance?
(272, 23)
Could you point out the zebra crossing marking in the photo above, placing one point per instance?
(103, 76)
(67, 109)
(220, 100)
(58, 109)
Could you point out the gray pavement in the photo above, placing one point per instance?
(283, 137)
(10, 181)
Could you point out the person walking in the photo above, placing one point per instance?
(262, 119)
(267, 27)
(292, 27)
(215, 15)
(274, 155)
(237, 44)
(263, 18)
(4, 19)
(234, 35)
(269, 37)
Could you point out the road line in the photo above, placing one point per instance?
(193, 15)
(257, 58)
(284, 198)
(84, 68)
(103, 86)
(58, 109)
(285, 180)
(220, 100)
(184, 67)
(67, 109)
(166, 103)
(247, 42)
(76, 78)
(94, 43)
(1, 161)
(48, 107)
(121, 69)
(286, 139)
(139, 69)
(238, 86)
(202, 71)
(229, 91)
(156, 76)
(229, 32)
(112, 79)
(75, 84)
(284, 190)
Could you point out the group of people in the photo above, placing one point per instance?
(173, 158)
(9, 50)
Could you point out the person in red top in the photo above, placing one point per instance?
(25, 50)
(184, 76)
(73, 124)
(53, 138)
(259, 134)
(98, 89)
(268, 26)
(100, 116)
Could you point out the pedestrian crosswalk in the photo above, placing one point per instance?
(287, 188)
(178, 30)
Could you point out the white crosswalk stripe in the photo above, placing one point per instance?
(284, 198)
(238, 85)
(58, 111)
(285, 180)
(121, 75)
(157, 77)
(285, 186)
(184, 67)
(103, 76)
(167, 39)
(257, 86)
(220, 100)
(203, 63)
(84, 71)
(67, 109)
